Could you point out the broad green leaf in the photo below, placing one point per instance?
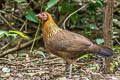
(19, 33)
(51, 3)
(30, 15)
(41, 53)
(99, 40)
(22, 54)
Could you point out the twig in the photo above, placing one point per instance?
(19, 19)
(5, 46)
(7, 22)
(5, 59)
(1, 11)
(23, 25)
(19, 43)
(73, 13)
(22, 46)
(117, 41)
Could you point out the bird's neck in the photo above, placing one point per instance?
(50, 28)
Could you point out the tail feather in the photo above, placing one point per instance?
(104, 51)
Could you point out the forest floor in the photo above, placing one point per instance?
(52, 68)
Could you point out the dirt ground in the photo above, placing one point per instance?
(39, 68)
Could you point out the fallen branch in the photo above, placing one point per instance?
(20, 47)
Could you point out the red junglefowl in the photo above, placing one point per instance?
(66, 44)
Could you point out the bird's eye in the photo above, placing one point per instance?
(43, 14)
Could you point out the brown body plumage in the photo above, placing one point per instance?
(66, 44)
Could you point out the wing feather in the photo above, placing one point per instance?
(68, 41)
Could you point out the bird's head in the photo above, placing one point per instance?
(44, 16)
(49, 27)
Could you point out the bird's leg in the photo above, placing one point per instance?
(66, 67)
(70, 71)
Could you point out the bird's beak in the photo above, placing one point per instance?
(37, 15)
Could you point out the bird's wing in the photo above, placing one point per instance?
(69, 41)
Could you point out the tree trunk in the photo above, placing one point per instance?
(107, 30)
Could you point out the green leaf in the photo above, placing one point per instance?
(51, 3)
(94, 67)
(99, 40)
(13, 35)
(19, 33)
(116, 21)
(24, 4)
(116, 63)
(2, 33)
(77, 26)
(83, 20)
(18, 1)
(30, 15)
(92, 16)
(36, 62)
(74, 18)
(91, 8)
(84, 56)
(99, 2)
(117, 49)
(91, 26)
(41, 53)
(59, 8)
(22, 54)
(112, 67)
(117, 36)
(66, 7)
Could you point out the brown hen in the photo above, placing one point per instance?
(66, 44)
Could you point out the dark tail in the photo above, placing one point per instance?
(103, 51)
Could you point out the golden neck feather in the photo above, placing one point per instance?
(50, 27)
